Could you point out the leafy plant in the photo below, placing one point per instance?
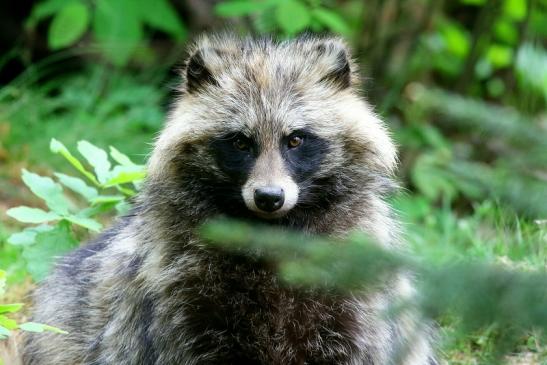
(56, 229)
(7, 324)
(287, 17)
(37, 108)
(118, 26)
(462, 84)
(478, 295)
(512, 143)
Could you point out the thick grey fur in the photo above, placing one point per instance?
(149, 291)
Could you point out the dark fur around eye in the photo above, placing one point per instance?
(301, 161)
(305, 159)
(236, 163)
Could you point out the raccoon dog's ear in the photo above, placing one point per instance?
(199, 70)
(334, 57)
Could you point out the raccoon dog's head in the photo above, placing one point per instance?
(271, 130)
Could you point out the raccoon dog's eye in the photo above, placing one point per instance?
(295, 141)
(241, 144)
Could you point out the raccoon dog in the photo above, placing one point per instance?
(265, 130)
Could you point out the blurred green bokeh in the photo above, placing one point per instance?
(462, 85)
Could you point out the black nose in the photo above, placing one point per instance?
(270, 198)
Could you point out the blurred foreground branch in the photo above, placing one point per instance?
(479, 294)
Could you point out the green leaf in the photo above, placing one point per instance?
(32, 327)
(101, 199)
(32, 215)
(97, 158)
(10, 308)
(22, 238)
(78, 186)
(44, 9)
(8, 323)
(28, 235)
(48, 247)
(46, 189)
(240, 8)
(120, 158)
(331, 20)
(292, 16)
(499, 55)
(118, 36)
(515, 9)
(97, 209)
(57, 147)
(506, 31)
(85, 222)
(126, 191)
(68, 25)
(160, 14)
(39, 328)
(456, 38)
(123, 207)
(124, 175)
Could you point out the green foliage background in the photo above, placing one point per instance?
(462, 84)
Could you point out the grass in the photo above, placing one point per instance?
(492, 233)
(98, 104)
(489, 232)
(112, 108)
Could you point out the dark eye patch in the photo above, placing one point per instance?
(305, 159)
(301, 161)
(236, 163)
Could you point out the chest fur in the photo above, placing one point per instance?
(235, 309)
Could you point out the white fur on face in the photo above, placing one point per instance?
(269, 170)
(290, 188)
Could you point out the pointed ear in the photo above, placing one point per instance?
(199, 70)
(335, 59)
